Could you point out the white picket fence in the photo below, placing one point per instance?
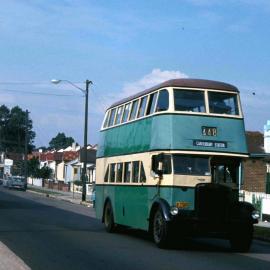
(34, 181)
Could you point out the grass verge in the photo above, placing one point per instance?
(262, 232)
(44, 191)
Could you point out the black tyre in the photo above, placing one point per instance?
(241, 238)
(108, 218)
(160, 229)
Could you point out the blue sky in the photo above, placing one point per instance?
(124, 47)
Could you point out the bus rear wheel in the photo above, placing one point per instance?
(108, 218)
(160, 229)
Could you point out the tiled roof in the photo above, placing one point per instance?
(255, 142)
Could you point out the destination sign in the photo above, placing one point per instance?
(209, 131)
(215, 144)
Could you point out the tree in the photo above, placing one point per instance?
(45, 172)
(33, 167)
(12, 130)
(34, 171)
(61, 141)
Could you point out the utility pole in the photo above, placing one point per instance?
(26, 146)
(84, 171)
(84, 152)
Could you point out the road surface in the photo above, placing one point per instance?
(45, 233)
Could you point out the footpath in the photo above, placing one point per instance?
(71, 197)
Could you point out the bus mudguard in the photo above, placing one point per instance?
(107, 200)
(164, 207)
(243, 211)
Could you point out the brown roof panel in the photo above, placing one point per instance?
(190, 83)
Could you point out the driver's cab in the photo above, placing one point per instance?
(225, 171)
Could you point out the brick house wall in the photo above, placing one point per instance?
(254, 175)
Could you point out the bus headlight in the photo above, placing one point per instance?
(255, 214)
(174, 210)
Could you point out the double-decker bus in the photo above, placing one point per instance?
(169, 161)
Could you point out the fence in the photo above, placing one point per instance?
(78, 188)
(59, 185)
(38, 182)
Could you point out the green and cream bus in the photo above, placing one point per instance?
(169, 161)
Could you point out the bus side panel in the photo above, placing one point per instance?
(99, 201)
(175, 132)
(132, 206)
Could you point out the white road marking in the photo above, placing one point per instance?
(9, 260)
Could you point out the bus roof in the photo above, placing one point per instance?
(190, 83)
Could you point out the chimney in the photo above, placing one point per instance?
(267, 137)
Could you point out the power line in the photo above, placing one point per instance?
(28, 83)
(38, 93)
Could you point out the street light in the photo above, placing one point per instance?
(85, 92)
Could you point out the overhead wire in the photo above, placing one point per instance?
(39, 93)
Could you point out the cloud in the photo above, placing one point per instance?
(155, 77)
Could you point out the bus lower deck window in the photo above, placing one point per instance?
(135, 171)
(119, 172)
(112, 173)
(127, 172)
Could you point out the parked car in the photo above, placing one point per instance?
(17, 182)
(5, 182)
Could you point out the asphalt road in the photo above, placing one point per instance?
(50, 234)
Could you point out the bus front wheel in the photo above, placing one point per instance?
(160, 229)
(241, 238)
(108, 218)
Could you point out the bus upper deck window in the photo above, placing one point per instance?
(106, 121)
(151, 103)
(142, 107)
(134, 109)
(112, 117)
(223, 103)
(126, 112)
(163, 101)
(188, 100)
(118, 115)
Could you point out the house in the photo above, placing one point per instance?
(72, 171)
(256, 171)
(91, 161)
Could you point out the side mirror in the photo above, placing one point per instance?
(160, 168)
(158, 164)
